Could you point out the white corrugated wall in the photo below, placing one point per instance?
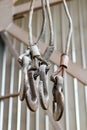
(14, 115)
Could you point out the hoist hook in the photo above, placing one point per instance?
(43, 87)
(28, 90)
(31, 93)
(58, 98)
(20, 58)
(25, 61)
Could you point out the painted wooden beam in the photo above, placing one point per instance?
(5, 13)
(73, 69)
(14, 1)
(23, 8)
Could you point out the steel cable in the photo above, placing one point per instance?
(70, 26)
(58, 97)
(30, 22)
(50, 23)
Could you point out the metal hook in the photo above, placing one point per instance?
(20, 58)
(28, 90)
(26, 61)
(22, 90)
(43, 91)
(58, 98)
(31, 93)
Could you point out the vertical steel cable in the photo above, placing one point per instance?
(51, 42)
(3, 87)
(70, 26)
(44, 21)
(30, 22)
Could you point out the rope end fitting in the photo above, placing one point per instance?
(64, 60)
(35, 51)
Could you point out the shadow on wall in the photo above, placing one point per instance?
(2, 46)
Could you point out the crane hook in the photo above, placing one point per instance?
(31, 93)
(28, 90)
(43, 89)
(58, 98)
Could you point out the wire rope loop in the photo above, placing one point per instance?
(30, 22)
(70, 26)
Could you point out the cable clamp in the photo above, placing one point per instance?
(35, 51)
(64, 60)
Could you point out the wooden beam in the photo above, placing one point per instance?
(23, 8)
(73, 69)
(15, 31)
(5, 13)
(14, 1)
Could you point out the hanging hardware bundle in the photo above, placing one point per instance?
(58, 97)
(34, 65)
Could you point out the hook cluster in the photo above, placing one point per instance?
(31, 71)
(34, 65)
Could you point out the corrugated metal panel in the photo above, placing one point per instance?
(14, 115)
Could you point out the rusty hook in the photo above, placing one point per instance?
(26, 61)
(43, 91)
(58, 98)
(20, 58)
(28, 90)
(31, 93)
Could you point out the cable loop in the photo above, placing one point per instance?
(43, 68)
(70, 26)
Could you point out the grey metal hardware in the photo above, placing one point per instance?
(43, 69)
(31, 93)
(43, 90)
(58, 98)
(58, 101)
